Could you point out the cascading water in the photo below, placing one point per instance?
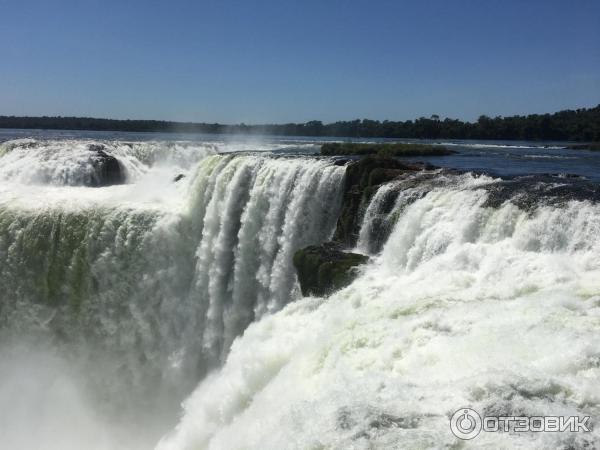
(133, 292)
(116, 301)
(74, 162)
(495, 308)
(387, 204)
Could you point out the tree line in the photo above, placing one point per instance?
(573, 125)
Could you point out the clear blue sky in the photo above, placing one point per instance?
(279, 61)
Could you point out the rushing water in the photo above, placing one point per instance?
(142, 287)
(120, 302)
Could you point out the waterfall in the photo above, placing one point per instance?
(387, 204)
(144, 286)
(122, 297)
(492, 307)
(74, 162)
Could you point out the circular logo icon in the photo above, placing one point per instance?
(465, 423)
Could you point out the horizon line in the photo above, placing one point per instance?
(190, 122)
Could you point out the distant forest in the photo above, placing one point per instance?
(573, 125)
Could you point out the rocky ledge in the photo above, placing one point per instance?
(363, 178)
(323, 269)
(107, 169)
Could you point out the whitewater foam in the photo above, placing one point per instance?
(144, 286)
(117, 301)
(496, 309)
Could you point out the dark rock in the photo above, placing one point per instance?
(380, 175)
(323, 269)
(359, 171)
(107, 169)
(178, 177)
(363, 178)
(341, 162)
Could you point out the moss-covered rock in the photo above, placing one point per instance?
(323, 269)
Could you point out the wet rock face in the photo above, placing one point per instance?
(323, 269)
(363, 178)
(107, 169)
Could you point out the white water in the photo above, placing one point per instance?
(70, 162)
(388, 203)
(495, 309)
(115, 301)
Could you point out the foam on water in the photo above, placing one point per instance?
(495, 309)
(137, 290)
(71, 162)
(117, 301)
